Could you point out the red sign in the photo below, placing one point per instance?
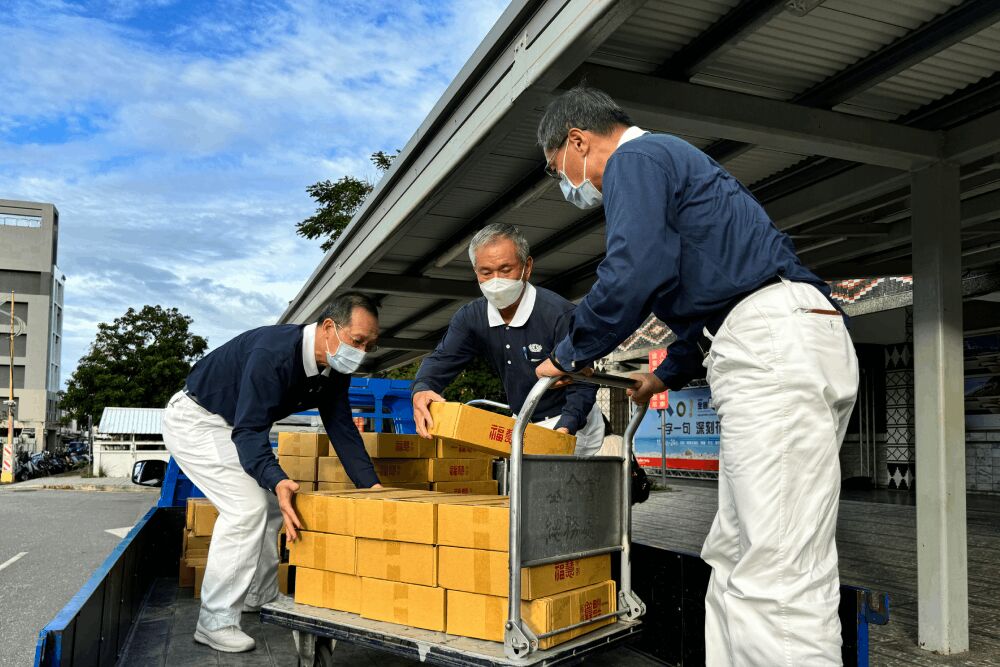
(658, 401)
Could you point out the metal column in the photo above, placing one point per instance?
(942, 569)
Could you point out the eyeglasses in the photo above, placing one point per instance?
(369, 348)
(549, 171)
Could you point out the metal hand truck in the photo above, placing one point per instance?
(564, 508)
(561, 508)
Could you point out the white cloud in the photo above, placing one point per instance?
(178, 155)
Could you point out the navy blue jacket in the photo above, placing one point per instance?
(514, 353)
(684, 240)
(256, 379)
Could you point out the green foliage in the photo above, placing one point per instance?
(139, 360)
(338, 202)
(478, 380)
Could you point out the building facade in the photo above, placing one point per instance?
(29, 240)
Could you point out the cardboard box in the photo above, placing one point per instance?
(404, 519)
(195, 542)
(286, 578)
(490, 432)
(334, 486)
(303, 444)
(201, 516)
(305, 485)
(333, 511)
(196, 554)
(397, 446)
(446, 449)
(482, 525)
(406, 562)
(199, 577)
(406, 604)
(324, 551)
(484, 487)
(185, 575)
(391, 471)
(486, 572)
(329, 469)
(458, 470)
(484, 616)
(415, 486)
(298, 467)
(332, 590)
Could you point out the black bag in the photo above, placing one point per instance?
(641, 485)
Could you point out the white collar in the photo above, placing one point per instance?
(630, 134)
(523, 310)
(309, 351)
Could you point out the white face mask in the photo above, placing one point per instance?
(502, 292)
(586, 195)
(346, 359)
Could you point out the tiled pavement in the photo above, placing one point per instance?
(877, 546)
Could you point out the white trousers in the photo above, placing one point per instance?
(783, 382)
(243, 554)
(590, 437)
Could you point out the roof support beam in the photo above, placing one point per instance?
(721, 36)
(407, 344)
(974, 140)
(933, 37)
(387, 283)
(702, 111)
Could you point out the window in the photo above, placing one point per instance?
(5, 376)
(14, 220)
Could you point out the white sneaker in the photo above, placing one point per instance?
(229, 639)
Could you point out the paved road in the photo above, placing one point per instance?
(63, 539)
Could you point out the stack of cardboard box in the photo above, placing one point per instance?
(411, 462)
(200, 522)
(435, 561)
(298, 454)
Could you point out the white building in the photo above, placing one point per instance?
(29, 239)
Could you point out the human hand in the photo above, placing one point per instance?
(646, 384)
(376, 486)
(422, 413)
(286, 490)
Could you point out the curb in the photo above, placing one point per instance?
(92, 487)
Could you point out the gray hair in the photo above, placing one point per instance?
(499, 230)
(341, 308)
(583, 108)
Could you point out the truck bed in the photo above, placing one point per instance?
(163, 631)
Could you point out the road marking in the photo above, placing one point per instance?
(13, 560)
(119, 532)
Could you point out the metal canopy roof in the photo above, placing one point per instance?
(126, 421)
(822, 108)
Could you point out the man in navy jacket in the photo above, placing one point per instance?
(515, 326)
(687, 242)
(217, 429)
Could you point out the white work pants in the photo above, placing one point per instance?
(243, 554)
(590, 437)
(783, 381)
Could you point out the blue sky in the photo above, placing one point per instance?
(177, 138)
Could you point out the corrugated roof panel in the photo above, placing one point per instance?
(759, 163)
(952, 69)
(790, 54)
(126, 421)
(657, 31)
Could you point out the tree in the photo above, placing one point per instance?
(338, 202)
(140, 360)
(478, 380)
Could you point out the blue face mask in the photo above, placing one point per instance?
(346, 359)
(586, 195)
